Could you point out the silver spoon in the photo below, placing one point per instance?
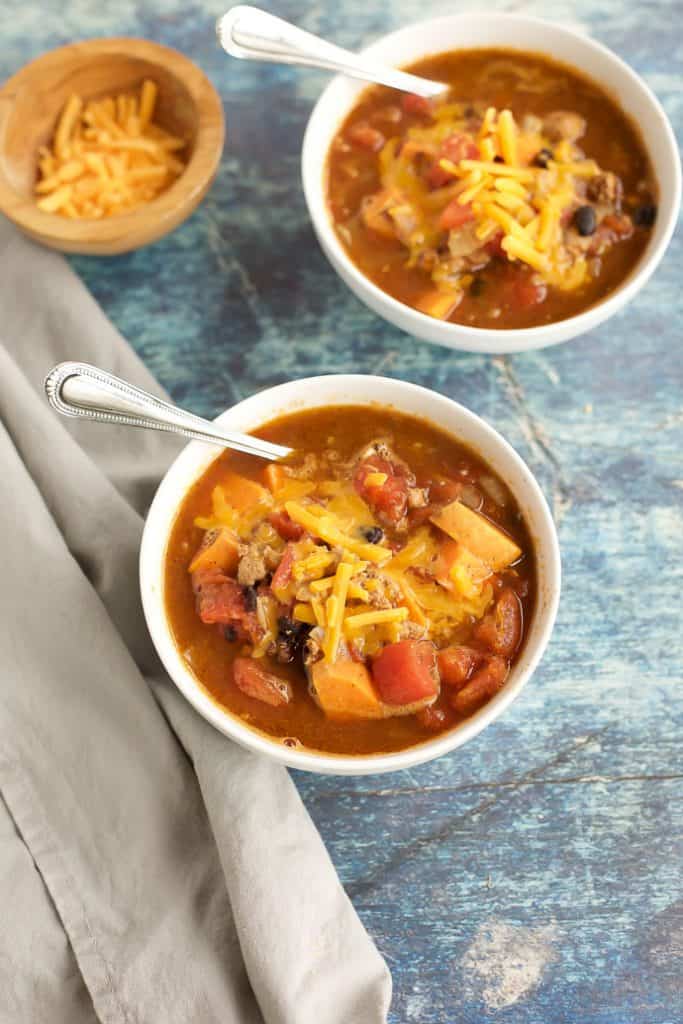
(84, 391)
(252, 34)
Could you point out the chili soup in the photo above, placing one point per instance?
(368, 593)
(522, 198)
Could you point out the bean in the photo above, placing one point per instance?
(373, 534)
(543, 157)
(584, 220)
(644, 216)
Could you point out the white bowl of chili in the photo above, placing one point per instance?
(606, 286)
(319, 393)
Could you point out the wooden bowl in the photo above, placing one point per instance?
(32, 100)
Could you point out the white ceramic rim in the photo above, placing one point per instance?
(265, 406)
(339, 98)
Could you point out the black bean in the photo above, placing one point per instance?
(477, 286)
(543, 157)
(230, 634)
(372, 534)
(584, 220)
(288, 627)
(645, 216)
(291, 638)
(498, 160)
(250, 597)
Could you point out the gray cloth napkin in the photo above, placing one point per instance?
(150, 870)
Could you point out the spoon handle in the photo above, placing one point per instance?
(252, 34)
(84, 391)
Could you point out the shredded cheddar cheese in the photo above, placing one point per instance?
(383, 615)
(324, 526)
(519, 248)
(334, 609)
(412, 604)
(358, 593)
(524, 200)
(304, 613)
(318, 611)
(499, 170)
(313, 566)
(107, 157)
(507, 135)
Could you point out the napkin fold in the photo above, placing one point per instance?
(150, 870)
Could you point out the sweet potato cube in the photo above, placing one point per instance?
(344, 690)
(274, 477)
(478, 534)
(438, 304)
(219, 550)
(241, 492)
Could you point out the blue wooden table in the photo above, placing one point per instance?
(535, 875)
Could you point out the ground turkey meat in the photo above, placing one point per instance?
(563, 124)
(606, 188)
(252, 567)
(256, 561)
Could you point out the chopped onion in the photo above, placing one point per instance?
(471, 496)
(495, 490)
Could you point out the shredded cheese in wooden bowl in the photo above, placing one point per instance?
(107, 157)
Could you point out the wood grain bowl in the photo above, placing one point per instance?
(32, 100)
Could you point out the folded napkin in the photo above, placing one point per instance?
(150, 870)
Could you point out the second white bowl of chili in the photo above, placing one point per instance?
(463, 240)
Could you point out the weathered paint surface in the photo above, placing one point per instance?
(534, 876)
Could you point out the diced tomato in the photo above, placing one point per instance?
(501, 629)
(219, 597)
(456, 664)
(437, 177)
(283, 573)
(493, 245)
(519, 290)
(285, 525)
(251, 678)
(414, 104)
(529, 293)
(405, 672)
(486, 682)
(455, 215)
(418, 516)
(388, 500)
(622, 225)
(365, 136)
(433, 719)
(220, 600)
(455, 148)
(610, 230)
(459, 147)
